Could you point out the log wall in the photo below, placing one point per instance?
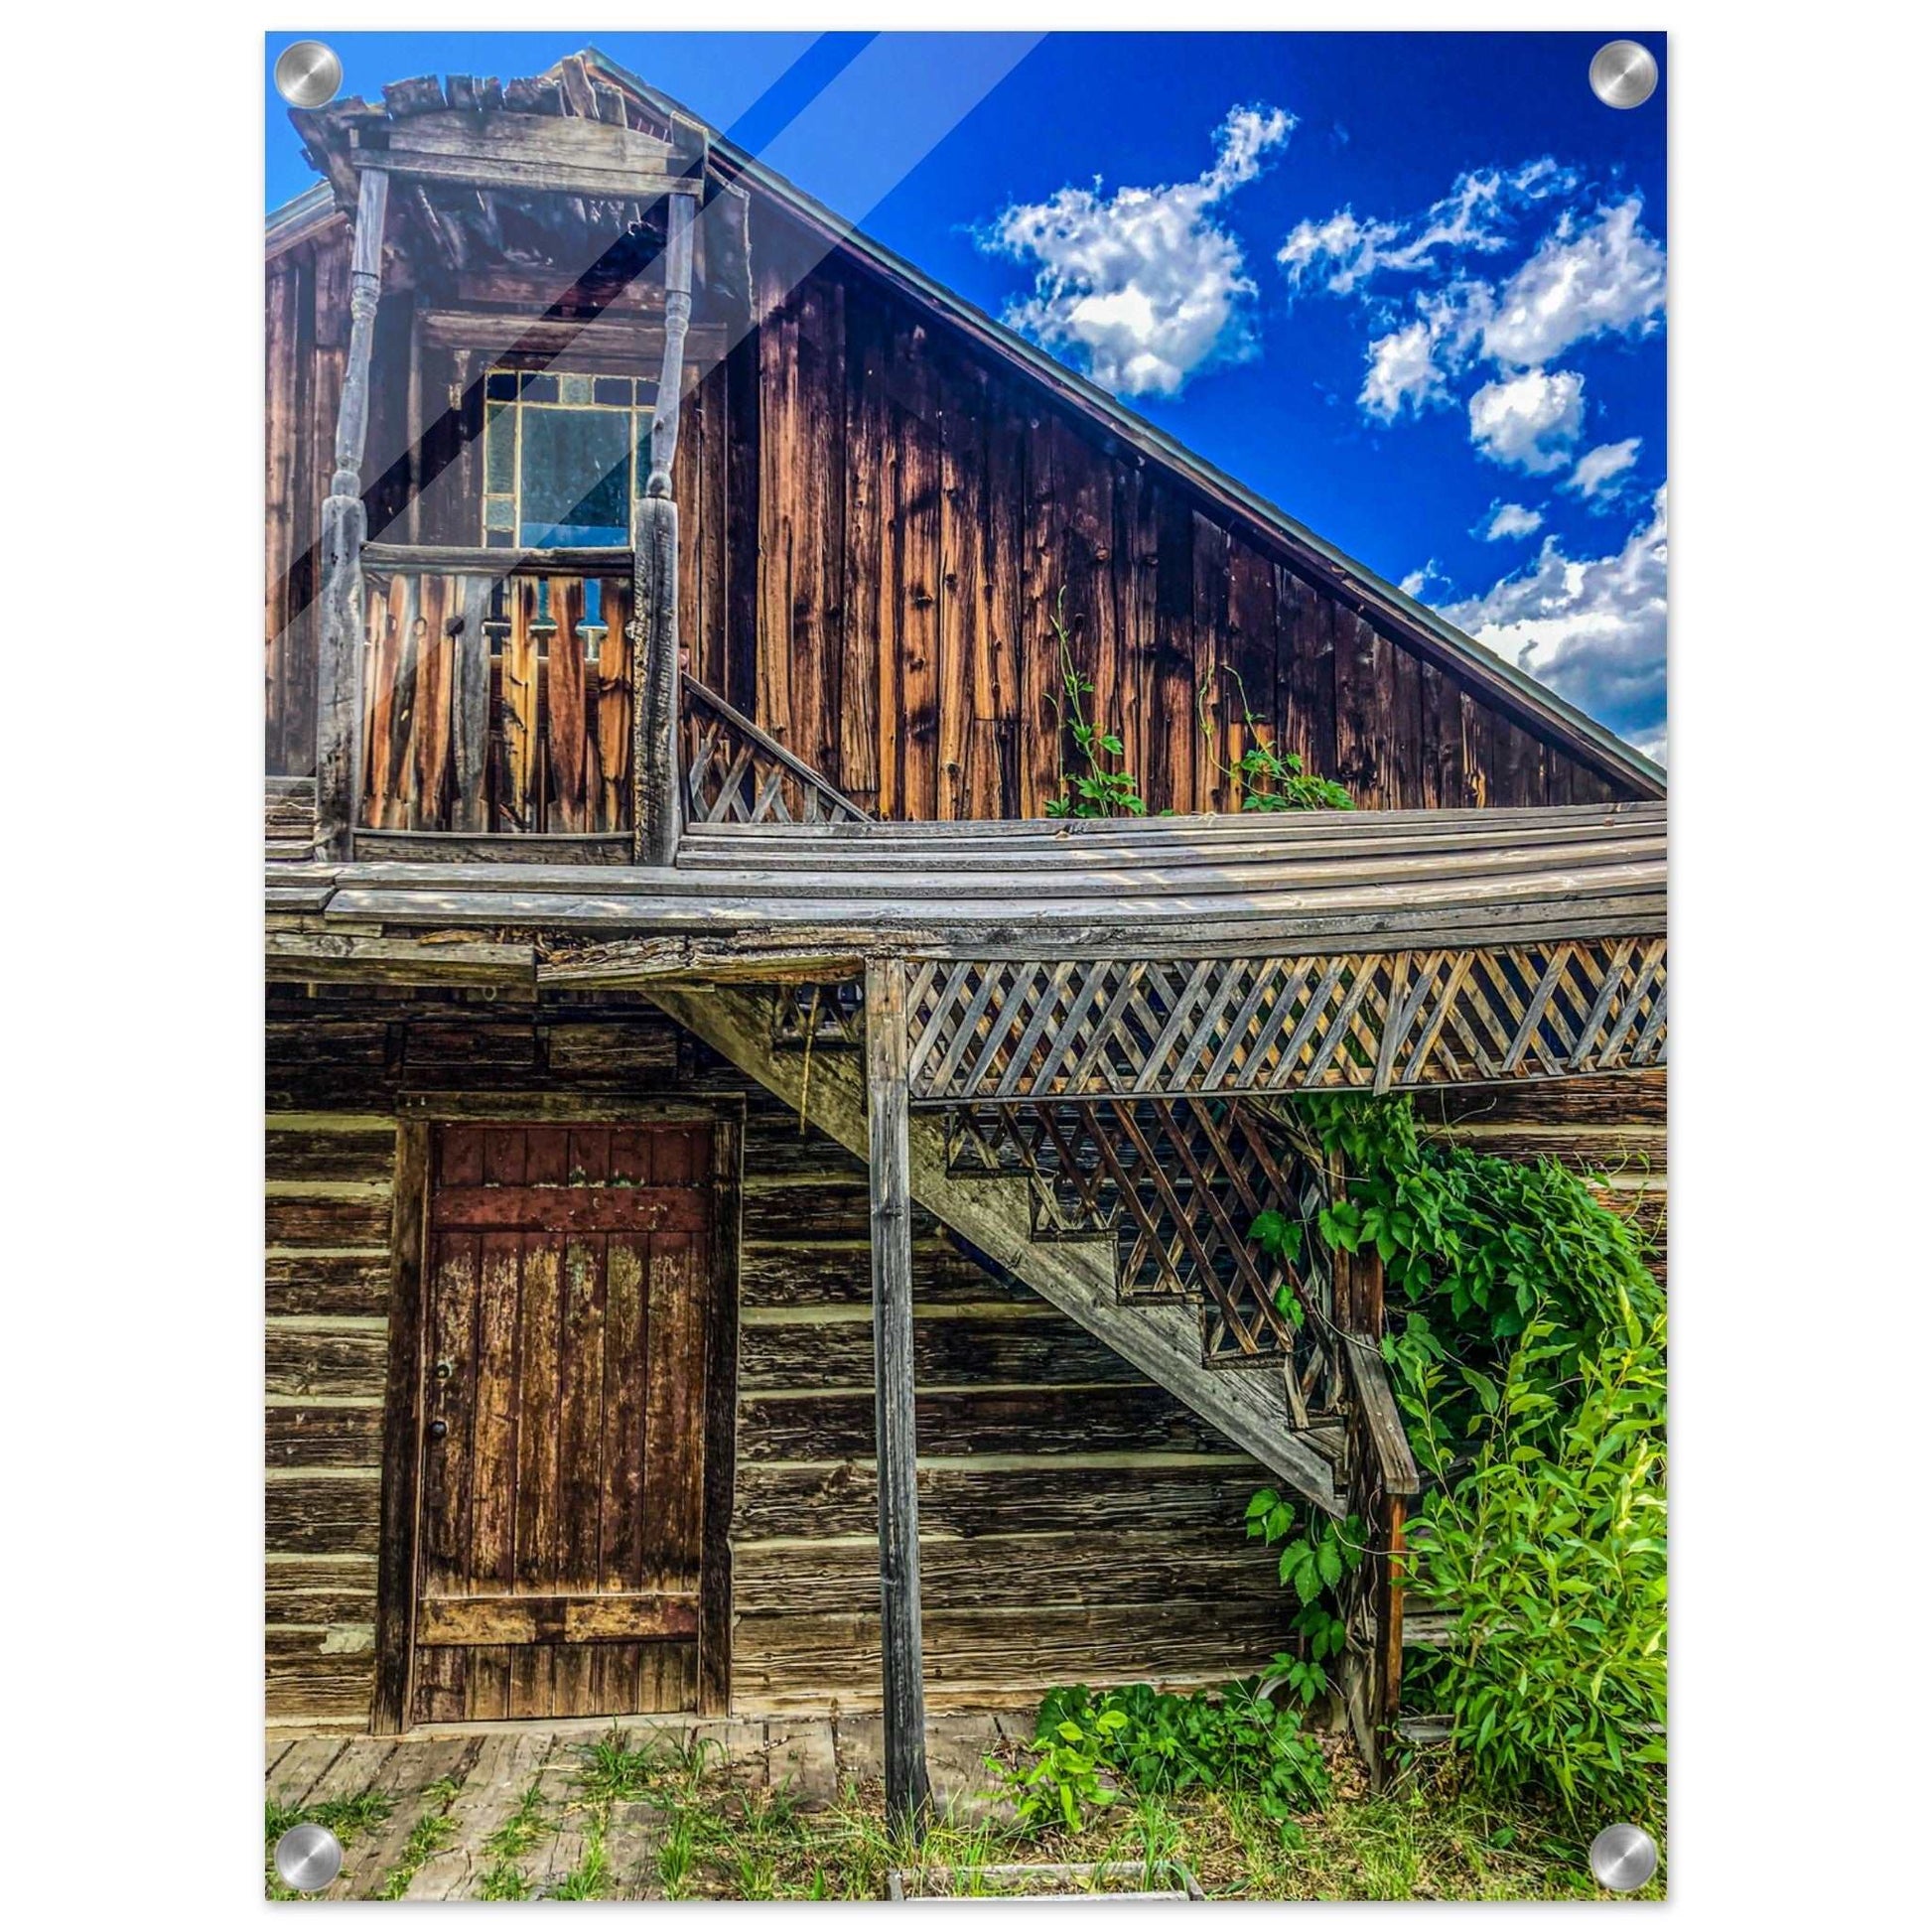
(1077, 1522)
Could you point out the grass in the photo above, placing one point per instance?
(348, 1817)
(427, 1837)
(711, 1834)
(510, 1843)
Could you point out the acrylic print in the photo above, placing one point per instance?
(966, 966)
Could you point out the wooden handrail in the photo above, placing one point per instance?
(468, 560)
(730, 716)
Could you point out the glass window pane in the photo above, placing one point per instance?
(500, 385)
(575, 476)
(574, 388)
(499, 449)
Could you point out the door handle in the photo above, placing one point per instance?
(438, 1429)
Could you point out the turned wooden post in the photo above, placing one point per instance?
(656, 816)
(909, 1790)
(345, 524)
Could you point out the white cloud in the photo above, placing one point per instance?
(1477, 216)
(1427, 581)
(1600, 472)
(1590, 275)
(1532, 420)
(1402, 372)
(1593, 628)
(1143, 287)
(1602, 277)
(1511, 520)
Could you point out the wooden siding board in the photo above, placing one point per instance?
(916, 585)
(964, 668)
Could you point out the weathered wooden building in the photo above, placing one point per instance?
(711, 1110)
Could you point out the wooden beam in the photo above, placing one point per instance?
(568, 341)
(909, 1790)
(345, 523)
(657, 816)
(551, 154)
(466, 560)
(611, 1616)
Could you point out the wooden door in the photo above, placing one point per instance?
(560, 1534)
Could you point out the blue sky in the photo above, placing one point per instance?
(1407, 285)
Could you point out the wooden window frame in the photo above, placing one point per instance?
(639, 417)
(399, 1566)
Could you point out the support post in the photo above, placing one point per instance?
(909, 1790)
(345, 524)
(656, 815)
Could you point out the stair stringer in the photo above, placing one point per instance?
(993, 1215)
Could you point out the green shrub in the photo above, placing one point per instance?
(1555, 1558)
(1526, 1344)
(1244, 1738)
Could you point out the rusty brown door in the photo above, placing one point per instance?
(561, 1508)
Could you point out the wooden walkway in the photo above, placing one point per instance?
(424, 1815)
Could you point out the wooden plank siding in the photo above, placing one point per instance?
(957, 509)
(879, 518)
(1042, 1455)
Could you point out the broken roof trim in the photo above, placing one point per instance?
(307, 215)
(1371, 594)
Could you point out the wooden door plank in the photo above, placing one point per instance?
(625, 1359)
(575, 1210)
(579, 1470)
(674, 1413)
(565, 1618)
(536, 1459)
(449, 1400)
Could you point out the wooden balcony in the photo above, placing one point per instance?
(498, 699)
(497, 716)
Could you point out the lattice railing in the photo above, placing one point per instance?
(1179, 1184)
(1009, 1030)
(737, 775)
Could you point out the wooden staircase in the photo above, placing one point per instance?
(1010, 1219)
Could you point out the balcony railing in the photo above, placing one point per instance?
(737, 775)
(496, 696)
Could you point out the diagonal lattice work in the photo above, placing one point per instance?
(1179, 1184)
(831, 1014)
(1041, 1030)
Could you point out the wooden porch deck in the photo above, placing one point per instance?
(474, 1778)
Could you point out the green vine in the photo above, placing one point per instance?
(1264, 778)
(1101, 787)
